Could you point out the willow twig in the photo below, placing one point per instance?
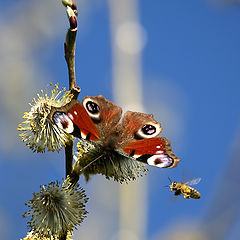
(69, 49)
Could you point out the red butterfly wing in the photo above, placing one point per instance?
(104, 114)
(81, 119)
(93, 119)
(74, 119)
(154, 151)
(139, 139)
(146, 146)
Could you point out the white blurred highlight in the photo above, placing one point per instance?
(128, 40)
(126, 234)
(131, 37)
(127, 37)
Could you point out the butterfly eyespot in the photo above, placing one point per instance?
(149, 131)
(161, 161)
(92, 108)
(62, 120)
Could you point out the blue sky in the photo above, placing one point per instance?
(190, 82)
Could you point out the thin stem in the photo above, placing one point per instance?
(69, 49)
(69, 157)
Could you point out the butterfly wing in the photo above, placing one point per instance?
(93, 119)
(74, 119)
(153, 151)
(139, 140)
(104, 113)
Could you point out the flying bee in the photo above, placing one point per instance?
(183, 188)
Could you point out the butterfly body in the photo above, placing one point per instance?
(134, 137)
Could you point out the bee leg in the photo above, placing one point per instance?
(177, 192)
(186, 196)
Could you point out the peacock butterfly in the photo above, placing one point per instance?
(135, 136)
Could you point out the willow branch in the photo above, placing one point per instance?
(69, 49)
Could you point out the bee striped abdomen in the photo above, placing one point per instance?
(194, 193)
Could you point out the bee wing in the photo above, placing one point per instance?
(193, 181)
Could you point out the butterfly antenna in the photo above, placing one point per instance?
(115, 168)
(82, 169)
(74, 176)
(169, 180)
